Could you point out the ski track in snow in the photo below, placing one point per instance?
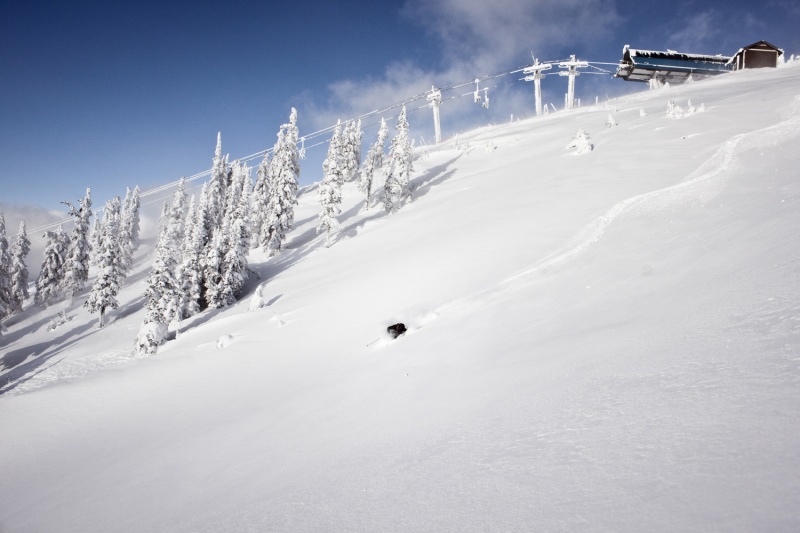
(68, 370)
(702, 184)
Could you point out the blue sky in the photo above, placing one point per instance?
(108, 95)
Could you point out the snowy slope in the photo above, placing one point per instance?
(603, 342)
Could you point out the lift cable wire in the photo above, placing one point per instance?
(329, 129)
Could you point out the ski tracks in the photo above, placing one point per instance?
(701, 185)
(67, 370)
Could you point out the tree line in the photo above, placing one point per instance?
(203, 242)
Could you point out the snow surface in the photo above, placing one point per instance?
(608, 342)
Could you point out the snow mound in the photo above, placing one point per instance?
(224, 341)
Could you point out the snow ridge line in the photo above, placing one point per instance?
(720, 161)
(593, 232)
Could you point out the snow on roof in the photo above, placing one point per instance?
(671, 54)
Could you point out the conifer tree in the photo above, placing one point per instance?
(233, 269)
(162, 295)
(399, 167)
(190, 267)
(5, 272)
(132, 216)
(330, 190)
(216, 191)
(212, 274)
(19, 272)
(239, 187)
(261, 196)
(235, 272)
(283, 173)
(94, 239)
(128, 229)
(51, 275)
(372, 162)
(76, 267)
(110, 269)
(173, 220)
(351, 149)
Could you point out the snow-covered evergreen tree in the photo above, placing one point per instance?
(260, 201)
(128, 228)
(124, 237)
(239, 187)
(373, 162)
(51, 275)
(19, 272)
(110, 269)
(330, 190)
(216, 190)
(76, 267)
(190, 267)
(217, 247)
(399, 168)
(581, 142)
(162, 295)
(173, 220)
(238, 235)
(674, 111)
(351, 149)
(131, 216)
(212, 274)
(5, 272)
(245, 208)
(283, 173)
(94, 238)
(151, 336)
(235, 272)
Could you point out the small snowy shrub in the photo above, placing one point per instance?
(59, 320)
(257, 300)
(610, 123)
(581, 143)
(151, 336)
(674, 111)
(642, 113)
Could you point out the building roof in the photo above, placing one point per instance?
(669, 66)
(760, 45)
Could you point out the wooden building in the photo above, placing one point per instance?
(669, 66)
(757, 55)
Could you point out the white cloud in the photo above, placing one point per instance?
(476, 38)
(698, 33)
(489, 33)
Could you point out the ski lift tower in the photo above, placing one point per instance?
(572, 67)
(435, 98)
(535, 75)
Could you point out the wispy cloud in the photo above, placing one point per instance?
(699, 32)
(485, 33)
(475, 38)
